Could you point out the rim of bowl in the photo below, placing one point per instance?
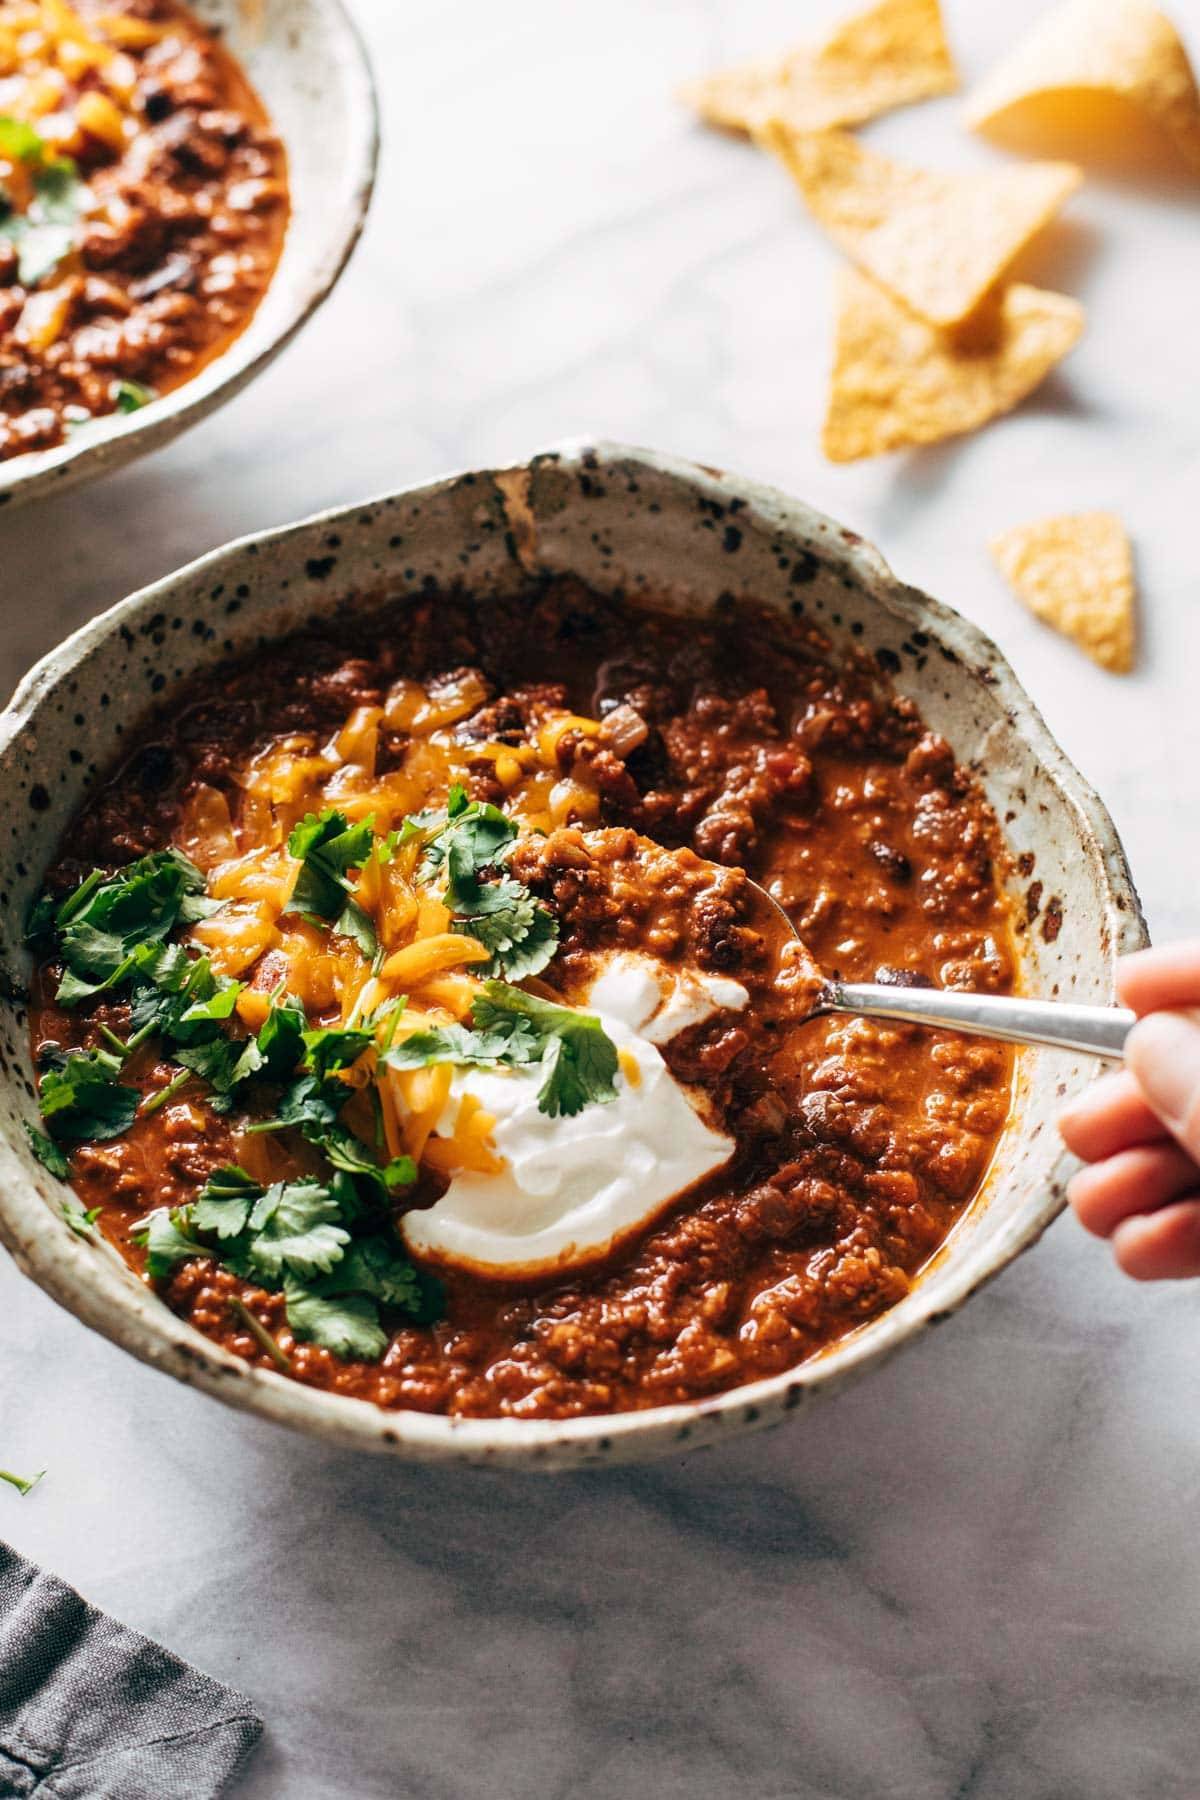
(145, 1326)
(114, 440)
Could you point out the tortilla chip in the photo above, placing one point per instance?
(893, 53)
(939, 243)
(1076, 574)
(898, 380)
(1087, 53)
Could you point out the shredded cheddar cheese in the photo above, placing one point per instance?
(422, 961)
(69, 74)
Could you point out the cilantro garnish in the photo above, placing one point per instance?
(280, 1040)
(470, 843)
(341, 1311)
(298, 1236)
(81, 1222)
(347, 1324)
(225, 1202)
(82, 1098)
(293, 1226)
(45, 233)
(311, 1105)
(23, 1484)
(47, 1152)
(577, 1053)
(131, 396)
(328, 847)
(164, 1235)
(179, 996)
(514, 1029)
(328, 1048)
(19, 142)
(110, 928)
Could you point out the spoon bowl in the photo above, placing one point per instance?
(1060, 1025)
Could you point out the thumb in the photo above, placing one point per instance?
(1163, 1054)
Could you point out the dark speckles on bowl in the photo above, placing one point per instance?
(622, 520)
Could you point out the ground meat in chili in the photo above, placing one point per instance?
(739, 739)
(179, 219)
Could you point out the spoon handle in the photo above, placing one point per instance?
(1096, 1030)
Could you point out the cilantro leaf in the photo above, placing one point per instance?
(354, 923)
(106, 922)
(349, 1154)
(470, 839)
(224, 1204)
(579, 1056)
(513, 1029)
(164, 1234)
(294, 1226)
(81, 1222)
(341, 1310)
(45, 233)
(520, 933)
(179, 996)
(509, 1043)
(311, 1103)
(378, 1266)
(19, 142)
(84, 1099)
(224, 1063)
(280, 1040)
(328, 847)
(331, 1047)
(131, 396)
(47, 1152)
(474, 836)
(347, 1324)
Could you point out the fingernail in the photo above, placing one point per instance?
(1164, 1054)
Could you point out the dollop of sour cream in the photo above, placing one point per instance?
(571, 1188)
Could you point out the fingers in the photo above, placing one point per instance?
(1133, 1181)
(1139, 1129)
(1108, 1117)
(1167, 975)
(1161, 1246)
(1162, 1053)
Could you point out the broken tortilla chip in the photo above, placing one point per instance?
(898, 380)
(1076, 573)
(1083, 57)
(937, 242)
(890, 55)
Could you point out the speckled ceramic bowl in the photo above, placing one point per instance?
(307, 62)
(618, 518)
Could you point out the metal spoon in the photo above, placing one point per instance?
(1063, 1025)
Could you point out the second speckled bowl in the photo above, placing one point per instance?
(307, 63)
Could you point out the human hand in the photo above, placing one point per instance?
(1139, 1129)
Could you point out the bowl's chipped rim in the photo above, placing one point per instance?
(65, 1266)
(109, 442)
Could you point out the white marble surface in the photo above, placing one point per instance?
(977, 1574)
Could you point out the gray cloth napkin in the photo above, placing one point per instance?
(90, 1710)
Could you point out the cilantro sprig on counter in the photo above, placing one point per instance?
(24, 1484)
